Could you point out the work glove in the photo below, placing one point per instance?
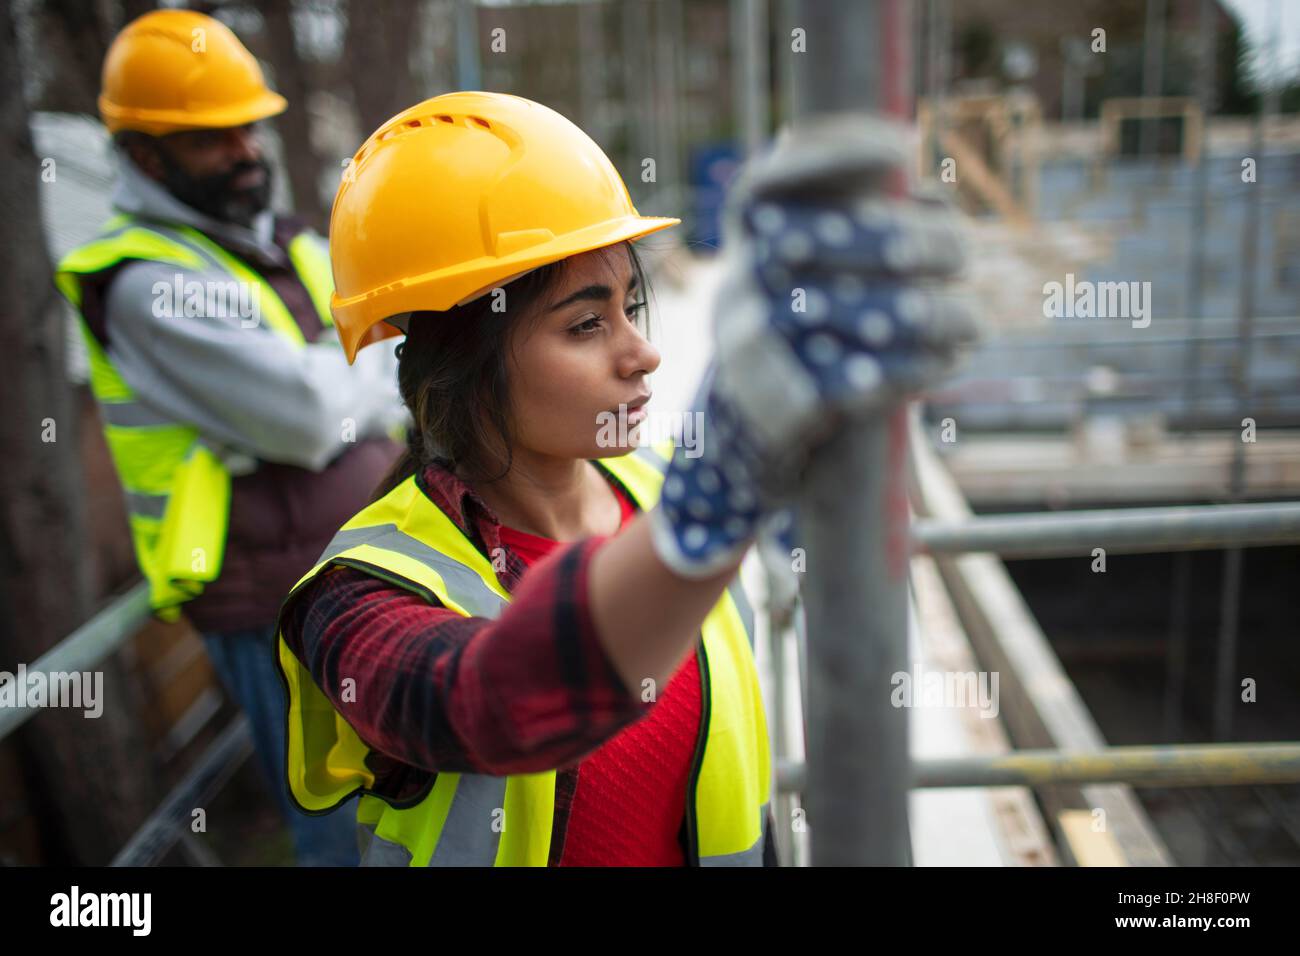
(833, 308)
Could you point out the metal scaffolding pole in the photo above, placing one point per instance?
(638, 98)
(671, 109)
(1200, 208)
(1074, 53)
(788, 12)
(751, 86)
(1206, 765)
(1121, 530)
(859, 768)
(86, 647)
(1225, 684)
(938, 44)
(780, 620)
(592, 70)
(203, 781)
(1181, 592)
(1153, 49)
(468, 74)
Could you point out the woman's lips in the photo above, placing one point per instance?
(636, 410)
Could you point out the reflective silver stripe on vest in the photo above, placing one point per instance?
(467, 588)
(146, 506)
(737, 591)
(469, 837)
(751, 857)
(168, 233)
(237, 463)
(133, 415)
(209, 259)
(376, 851)
(178, 237)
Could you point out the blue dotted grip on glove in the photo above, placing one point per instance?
(845, 297)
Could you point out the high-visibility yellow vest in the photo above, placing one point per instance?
(479, 820)
(177, 486)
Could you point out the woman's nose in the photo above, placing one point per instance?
(640, 356)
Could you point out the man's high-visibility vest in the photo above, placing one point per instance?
(479, 820)
(177, 485)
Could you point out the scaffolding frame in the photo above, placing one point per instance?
(857, 809)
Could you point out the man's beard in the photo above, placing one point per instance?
(214, 196)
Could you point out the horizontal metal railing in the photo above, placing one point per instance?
(85, 647)
(83, 650)
(172, 821)
(1192, 765)
(1131, 530)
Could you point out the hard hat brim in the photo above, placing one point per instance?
(361, 319)
(161, 122)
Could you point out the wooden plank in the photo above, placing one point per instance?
(1090, 846)
(1009, 470)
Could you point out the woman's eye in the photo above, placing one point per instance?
(584, 329)
(635, 309)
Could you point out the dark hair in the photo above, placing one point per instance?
(453, 375)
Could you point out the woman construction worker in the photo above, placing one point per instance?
(532, 648)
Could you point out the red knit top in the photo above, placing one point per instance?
(631, 792)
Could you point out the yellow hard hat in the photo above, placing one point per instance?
(173, 70)
(460, 194)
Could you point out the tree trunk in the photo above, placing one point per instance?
(377, 51)
(93, 776)
(304, 165)
(73, 37)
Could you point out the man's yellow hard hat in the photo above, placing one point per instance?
(460, 194)
(173, 70)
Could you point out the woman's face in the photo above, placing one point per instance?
(580, 357)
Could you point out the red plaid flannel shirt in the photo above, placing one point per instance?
(565, 698)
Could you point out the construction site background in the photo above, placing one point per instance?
(1056, 165)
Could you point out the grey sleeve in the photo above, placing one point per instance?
(243, 386)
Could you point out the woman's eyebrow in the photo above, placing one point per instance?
(595, 292)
